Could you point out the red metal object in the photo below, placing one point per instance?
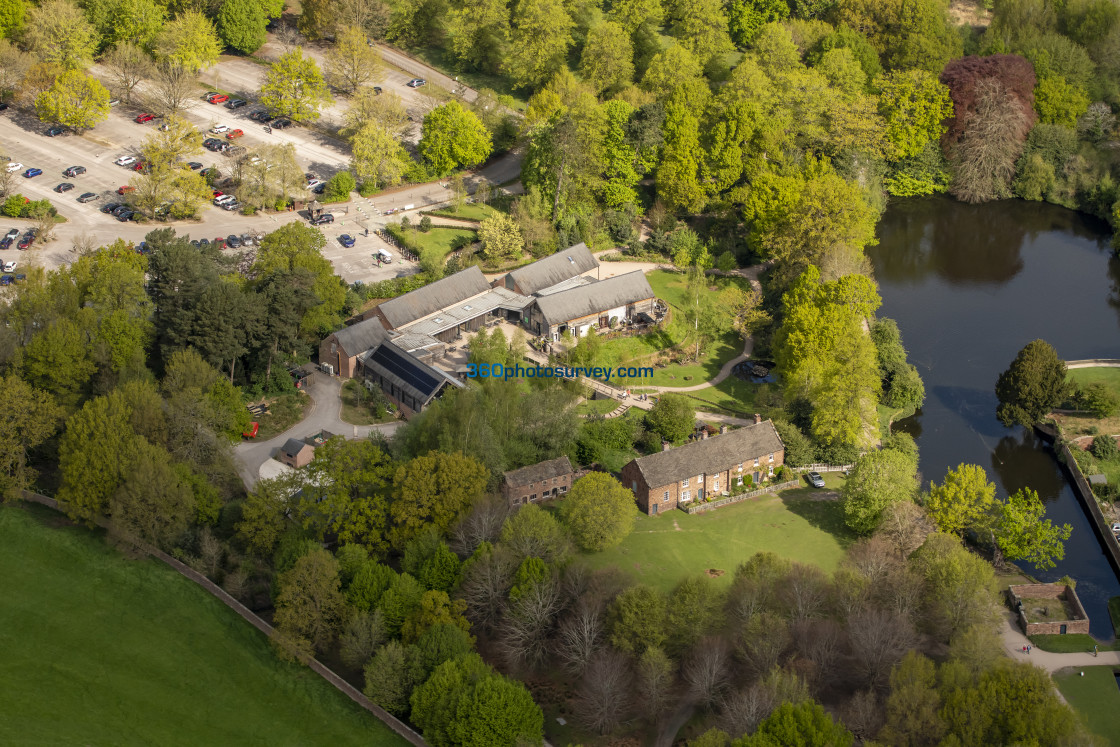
(253, 429)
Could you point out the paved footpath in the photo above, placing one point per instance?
(1014, 640)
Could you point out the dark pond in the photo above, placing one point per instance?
(970, 286)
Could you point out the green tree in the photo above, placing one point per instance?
(678, 175)
(125, 21)
(189, 41)
(263, 514)
(32, 417)
(128, 66)
(153, 504)
(95, 453)
(294, 87)
(633, 14)
(607, 60)
(441, 570)
(964, 500)
(878, 479)
(58, 31)
(241, 25)
(747, 17)
(637, 619)
(533, 532)
(433, 490)
(75, 100)
(309, 605)
(541, 32)
(370, 582)
(294, 247)
(500, 237)
(399, 602)
(13, 13)
(702, 27)
(692, 611)
(915, 105)
(367, 107)
(497, 710)
(59, 360)
(913, 704)
(672, 418)
(1058, 102)
(1023, 532)
(960, 588)
(620, 178)
(598, 512)
(1033, 385)
(805, 723)
(453, 137)
(352, 62)
(387, 682)
(437, 644)
(479, 31)
(435, 702)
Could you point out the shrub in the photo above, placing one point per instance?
(1104, 448)
(1097, 399)
(13, 206)
(339, 187)
(425, 224)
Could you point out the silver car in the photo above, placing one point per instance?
(815, 479)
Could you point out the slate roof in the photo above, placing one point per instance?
(293, 446)
(473, 307)
(547, 272)
(409, 373)
(587, 300)
(710, 455)
(519, 478)
(362, 336)
(433, 297)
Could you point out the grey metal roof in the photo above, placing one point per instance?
(433, 297)
(536, 472)
(708, 456)
(568, 284)
(586, 300)
(470, 308)
(406, 371)
(362, 336)
(544, 273)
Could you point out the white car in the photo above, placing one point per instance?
(14, 167)
(223, 198)
(9, 266)
(219, 129)
(125, 160)
(315, 183)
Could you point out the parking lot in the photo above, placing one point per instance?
(358, 263)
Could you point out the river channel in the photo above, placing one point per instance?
(971, 285)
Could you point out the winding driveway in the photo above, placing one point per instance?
(324, 415)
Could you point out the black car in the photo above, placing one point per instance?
(120, 209)
(208, 172)
(3, 106)
(282, 123)
(212, 143)
(88, 197)
(74, 171)
(236, 104)
(195, 165)
(125, 215)
(233, 242)
(110, 207)
(64, 187)
(204, 242)
(324, 218)
(6, 242)
(54, 131)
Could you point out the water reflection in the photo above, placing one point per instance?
(969, 286)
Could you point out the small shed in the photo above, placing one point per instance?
(314, 209)
(1048, 609)
(296, 453)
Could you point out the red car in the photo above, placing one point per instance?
(234, 133)
(126, 189)
(221, 98)
(144, 118)
(141, 165)
(219, 242)
(26, 241)
(254, 427)
(218, 193)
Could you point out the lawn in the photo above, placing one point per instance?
(283, 412)
(1096, 699)
(597, 406)
(1085, 423)
(100, 649)
(437, 240)
(466, 211)
(359, 407)
(742, 398)
(1071, 643)
(1110, 377)
(795, 524)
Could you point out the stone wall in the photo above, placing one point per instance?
(1088, 500)
(257, 622)
(1061, 593)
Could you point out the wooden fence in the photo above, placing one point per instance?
(823, 467)
(259, 623)
(696, 508)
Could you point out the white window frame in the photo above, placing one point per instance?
(771, 470)
(686, 496)
(740, 483)
(756, 461)
(684, 482)
(665, 496)
(715, 485)
(771, 457)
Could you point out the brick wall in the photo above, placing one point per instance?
(1078, 622)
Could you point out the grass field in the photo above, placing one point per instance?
(1096, 699)
(358, 408)
(1110, 377)
(283, 412)
(795, 524)
(1085, 423)
(99, 649)
(438, 240)
(466, 211)
(1071, 643)
(596, 406)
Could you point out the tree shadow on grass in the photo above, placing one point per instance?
(826, 515)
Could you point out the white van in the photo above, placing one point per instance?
(384, 256)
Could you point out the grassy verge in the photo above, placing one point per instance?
(596, 406)
(796, 524)
(359, 407)
(283, 413)
(437, 240)
(1095, 698)
(1114, 613)
(107, 650)
(465, 211)
(1074, 643)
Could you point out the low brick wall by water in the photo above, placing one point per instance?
(1078, 621)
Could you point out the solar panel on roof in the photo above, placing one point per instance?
(410, 370)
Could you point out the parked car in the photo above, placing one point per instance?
(14, 167)
(125, 189)
(195, 165)
(223, 198)
(114, 102)
(815, 479)
(220, 242)
(110, 207)
(377, 90)
(1116, 528)
(74, 171)
(26, 241)
(231, 206)
(417, 82)
(315, 183)
(20, 277)
(6, 242)
(88, 197)
(266, 117)
(256, 114)
(3, 106)
(64, 187)
(126, 216)
(125, 160)
(220, 98)
(9, 267)
(236, 104)
(218, 129)
(211, 95)
(234, 134)
(116, 212)
(247, 239)
(140, 165)
(32, 173)
(322, 219)
(54, 131)
(204, 242)
(11, 234)
(7, 279)
(233, 242)
(282, 123)
(142, 118)
(346, 240)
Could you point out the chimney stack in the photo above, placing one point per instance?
(723, 428)
(665, 446)
(757, 418)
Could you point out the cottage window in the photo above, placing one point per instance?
(756, 461)
(715, 485)
(771, 468)
(740, 466)
(686, 496)
(665, 496)
(771, 457)
(684, 483)
(740, 480)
